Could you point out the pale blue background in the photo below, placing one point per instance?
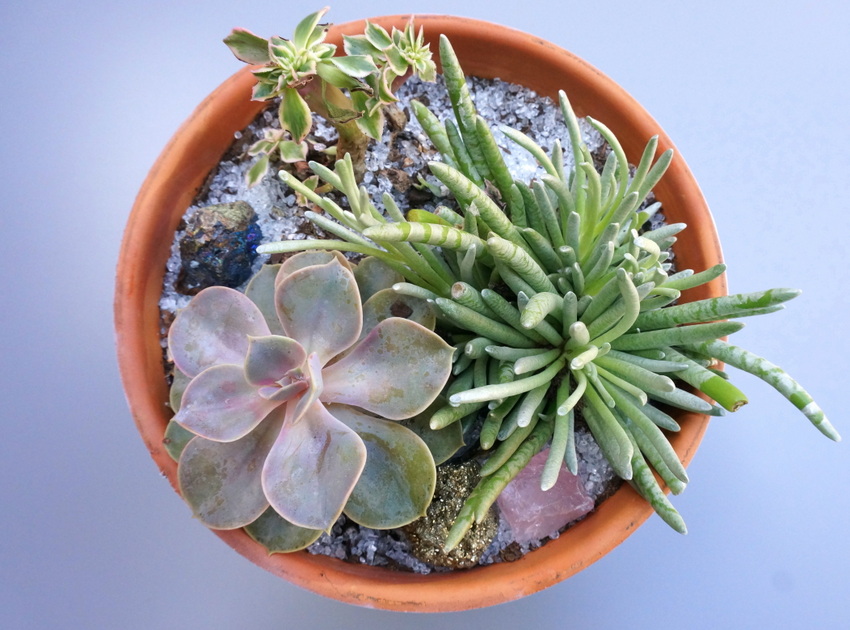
(755, 95)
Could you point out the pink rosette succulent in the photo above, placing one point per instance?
(292, 402)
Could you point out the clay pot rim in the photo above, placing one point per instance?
(145, 248)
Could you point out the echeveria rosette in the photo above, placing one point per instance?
(294, 408)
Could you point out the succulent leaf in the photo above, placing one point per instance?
(248, 47)
(269, 359)
(312, 468)
(358, 66)
(309, 32)
(219, 404)
(260, 291)
(176, 438)
(388, 303)
(221, 480)
(373, 275)
(306, 259)
(295, 114)
(278, 535)
(398, 480)
(178, 385)
(320, 306)
(376, 374)
(214, 329)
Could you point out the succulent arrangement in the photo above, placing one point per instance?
(553, 302)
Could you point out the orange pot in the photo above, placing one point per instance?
(485, 50)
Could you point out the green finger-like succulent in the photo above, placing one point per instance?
(291, 404)
(560, 300)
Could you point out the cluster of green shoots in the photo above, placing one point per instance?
(560, 304)
(349, 91)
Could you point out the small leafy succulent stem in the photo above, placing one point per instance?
(634, 372)
(509, 314)
(522, 263)
(715, 387)
(643, 481)
(643, 426)
(675, 336)
(449, 414)
(561, 449)
(464, 162)
(483, 325)
(492, 155)
(503, 390)
(713, 309)
(774, 376)
(321, 97)
(684, 280)
(612, 438)
(432, 234)
(462, 105)
(533, 148)
(486, 493)
(435, 131)
(524, 418)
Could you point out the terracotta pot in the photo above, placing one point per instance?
(485, 50)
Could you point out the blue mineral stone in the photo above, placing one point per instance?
(219, 247)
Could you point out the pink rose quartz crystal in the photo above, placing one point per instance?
(533, 513)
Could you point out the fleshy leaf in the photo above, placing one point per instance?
(214, 329)
(221, 481)
(336, 77)
(398, 481)
(264, 91)
(220, 405)
(372, 275)
(372, 124)
(295, 114)
(175, 440)
(270, 358)
(443, 443)
(305, 34)
(278, 535)
(178, 385)
(248, 47)
(307, 259)
(377, 36)
(312, 468)
(388, 303)
(319, 307)
(292, 151)
(260, 291)
(257, 171)
(359, 45)
(357, 66)
(396, 371)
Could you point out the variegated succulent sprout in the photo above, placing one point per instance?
(349, 91)
(294, 394)
(560, 300)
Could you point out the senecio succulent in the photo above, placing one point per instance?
(559, 300)
(293, 395)
(349, 91)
